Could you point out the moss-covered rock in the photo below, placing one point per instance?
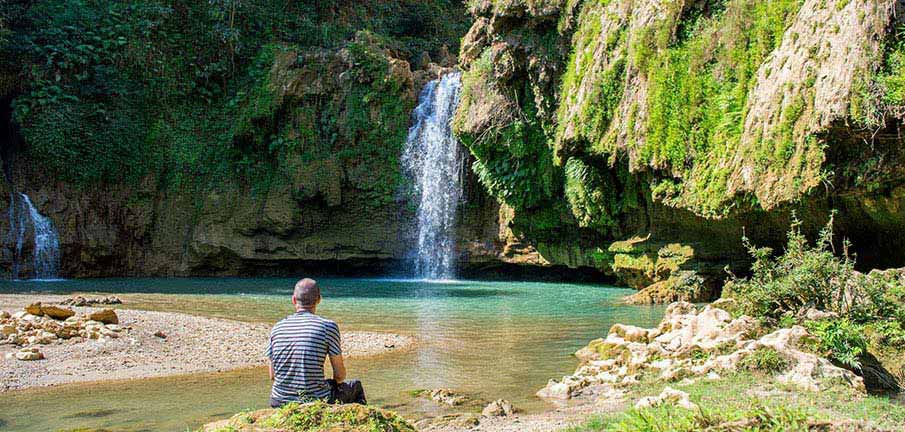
(680, 286)
(695, 122)
(311, 417)
(637, 266)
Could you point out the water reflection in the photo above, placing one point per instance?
(491, 339)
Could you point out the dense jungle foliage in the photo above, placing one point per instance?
(110, 91)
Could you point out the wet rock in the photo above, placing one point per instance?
(446, 396)
(681, 286)
(498, 408)
(56, 312)
(106, 316)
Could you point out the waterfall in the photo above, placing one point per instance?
(433, 158)
(25, 221)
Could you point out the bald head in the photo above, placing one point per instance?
(306, 294)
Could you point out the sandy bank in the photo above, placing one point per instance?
(192, 344)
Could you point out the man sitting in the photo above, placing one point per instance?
(299, 345)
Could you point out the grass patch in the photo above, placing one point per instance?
(764, 359)
(746, 395)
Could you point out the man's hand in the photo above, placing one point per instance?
(270, 366)
(339, 369)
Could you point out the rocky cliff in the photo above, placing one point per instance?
(636, 138)
(159, 145)
(613, 129)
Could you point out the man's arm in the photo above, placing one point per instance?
(270, 366)
(339, 368)
(334, 349)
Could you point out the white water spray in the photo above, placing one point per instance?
(25, 221)
(433, 158)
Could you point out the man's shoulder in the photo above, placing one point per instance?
(308, 319)
(327, 322)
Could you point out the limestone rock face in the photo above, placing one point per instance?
(582, 121)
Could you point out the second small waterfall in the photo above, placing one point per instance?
(26, 223)
(433, 158)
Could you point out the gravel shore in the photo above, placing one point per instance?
(157, 344)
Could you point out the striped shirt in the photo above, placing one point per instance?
(299, 345)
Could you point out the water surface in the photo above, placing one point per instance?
(490, 339)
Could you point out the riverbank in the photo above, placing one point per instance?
(157, 344)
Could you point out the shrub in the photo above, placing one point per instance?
(803, 277)
(764, 359)
(840, 340)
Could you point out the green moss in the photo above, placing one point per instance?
(512, 161)
(698, 92)
(318, 416)
(590, 197)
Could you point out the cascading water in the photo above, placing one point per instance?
(433, 158)
(25, 221)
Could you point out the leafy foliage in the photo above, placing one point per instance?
(868, 311)
(512, 160)
(114, 91)
(802, 277)
(839, 339)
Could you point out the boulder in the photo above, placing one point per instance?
(498, 408)
(34, 309)
(29, 354)
(669, 395)
(7, 329)
(4, 314)
(106, 316)
(630, 333)
(56, 312)
(555, 390)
